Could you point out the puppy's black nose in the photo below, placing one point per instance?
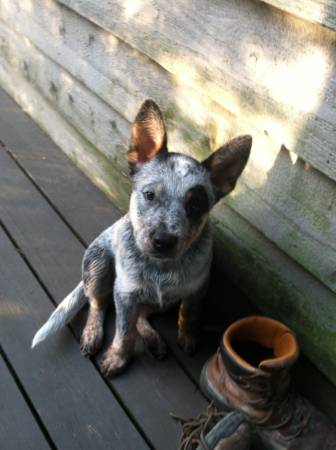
(164, 242)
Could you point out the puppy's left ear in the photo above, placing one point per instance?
(226, 164)
(148, 137)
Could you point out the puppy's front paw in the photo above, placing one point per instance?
(188, 343)
(91, 340)
(113, 363)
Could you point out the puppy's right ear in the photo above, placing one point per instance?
(148, 137)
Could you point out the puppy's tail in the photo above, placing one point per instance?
(65, 311)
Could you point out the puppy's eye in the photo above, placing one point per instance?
(149, 195)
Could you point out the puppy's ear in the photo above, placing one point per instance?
(226, 164)
(148, 137)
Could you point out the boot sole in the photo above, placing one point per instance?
(210, 392)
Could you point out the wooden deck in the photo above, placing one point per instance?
(53, 397)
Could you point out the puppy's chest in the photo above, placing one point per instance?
(164, 288)
(157, 287)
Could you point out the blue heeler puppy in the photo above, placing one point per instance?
(159, 252)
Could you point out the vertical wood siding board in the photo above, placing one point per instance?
(173, 56)
(309, 250)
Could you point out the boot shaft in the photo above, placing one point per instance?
(258, 346)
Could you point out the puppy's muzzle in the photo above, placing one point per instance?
(164, 243)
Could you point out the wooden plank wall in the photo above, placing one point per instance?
(81, 68)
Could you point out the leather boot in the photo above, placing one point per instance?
(250, 373)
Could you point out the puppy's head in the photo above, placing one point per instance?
(173, 193)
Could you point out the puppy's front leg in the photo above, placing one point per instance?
(92, 336)
(189, 321)
(121, 351)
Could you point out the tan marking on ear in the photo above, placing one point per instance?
(148, 136)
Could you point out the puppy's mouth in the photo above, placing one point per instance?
(163, 256)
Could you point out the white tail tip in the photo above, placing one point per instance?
(40, 336)
(62, 314)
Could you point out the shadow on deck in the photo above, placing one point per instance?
(52, 397)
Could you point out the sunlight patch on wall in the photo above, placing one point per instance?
(133, 8)
(302, 82)
(299, 83)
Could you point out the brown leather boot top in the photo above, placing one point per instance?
(258, 342)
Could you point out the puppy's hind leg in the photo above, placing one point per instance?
(189, 320)
(153, 341)
(98, 279)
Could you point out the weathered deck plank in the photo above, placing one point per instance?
(18, 428)
(77, 408)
